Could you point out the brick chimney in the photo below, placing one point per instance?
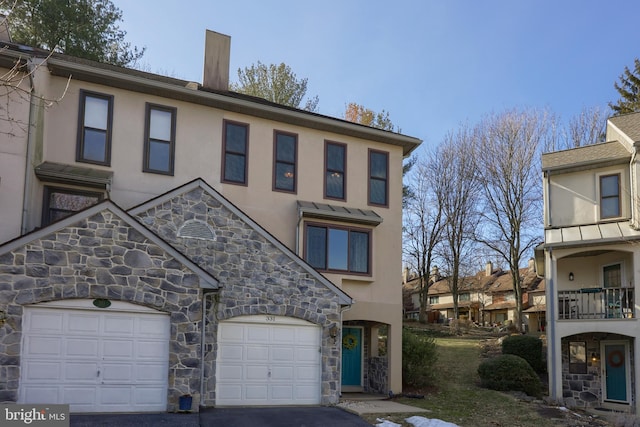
(217, 52)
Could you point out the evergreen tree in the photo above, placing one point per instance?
(82, 28)
(629, 89)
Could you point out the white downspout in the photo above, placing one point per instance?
(632, 189)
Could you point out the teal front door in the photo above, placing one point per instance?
(352, 357)
(615, 356)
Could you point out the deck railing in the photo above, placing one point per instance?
(596, 303)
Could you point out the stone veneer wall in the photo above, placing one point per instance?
(101, 257)
(378, 368)
(585, 390)
(256, 277)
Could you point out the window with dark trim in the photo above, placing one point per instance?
(465, 296)
(235, 141)
(434, 300)
(159, 139)
(335, 160)
(285, 156)
(62, 202)
(95, 119)
(378, 178)
(340, 249)
(610, 196)
(577, 357)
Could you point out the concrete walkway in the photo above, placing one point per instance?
(360, 404)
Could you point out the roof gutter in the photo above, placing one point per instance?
(140, 83)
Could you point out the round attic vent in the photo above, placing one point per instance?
(195, 229)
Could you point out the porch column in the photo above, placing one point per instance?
(554, 347)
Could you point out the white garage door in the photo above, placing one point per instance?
(268, 360)
(95, 360)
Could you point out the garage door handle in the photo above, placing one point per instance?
(98, 374)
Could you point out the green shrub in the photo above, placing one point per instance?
(508, 372)
(526, 346)
(418, 359)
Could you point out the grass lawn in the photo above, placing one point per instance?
(457, 398)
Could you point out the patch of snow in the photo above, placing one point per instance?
(417, 421)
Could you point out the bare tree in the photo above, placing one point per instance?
(423, 224)
(459, 196)
(510, 177)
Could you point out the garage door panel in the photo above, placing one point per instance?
(231, 352)
(282, 373)
(278, 359)
(96, 361)
(307, 373)
(256, 392)
(41, 346)
(232, 333)
(86, 347)
(256, 372)
(282, 354)
(150, 373)
(36, 370)
(308, 355)
(120, 372)
(257, 353)
(114, 348)
(83, 324)
(282, 392)
(118, 325)
(115, 395)
(151, 328)
(81, 371)
(42, 394)
(258, 334)
(144, 396)
(46, 322)
(78, 395)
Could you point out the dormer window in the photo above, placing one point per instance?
(610, 196)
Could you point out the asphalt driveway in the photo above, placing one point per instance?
(317, 416)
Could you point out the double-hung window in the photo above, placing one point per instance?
(235, 149)
(335, 160)
(378, 178)
(340, 249)
(159, 141)
(94, 128)
(610, 196)
(285, 161)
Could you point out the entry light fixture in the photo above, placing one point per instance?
(571, 277)
(333, 333)
(594, 357)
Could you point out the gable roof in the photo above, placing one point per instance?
(629, 124)
(575, 159)
(207, 280)
(200, 183)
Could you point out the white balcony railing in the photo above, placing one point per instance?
(596, 303)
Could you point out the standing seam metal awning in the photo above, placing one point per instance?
(77, 175)
(339, 213)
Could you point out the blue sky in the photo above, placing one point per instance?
(431, 64)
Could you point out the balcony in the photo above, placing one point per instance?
(596, 303)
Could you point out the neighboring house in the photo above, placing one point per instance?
(487, 298)
(591, 257)
(161, 237)
(502, 309)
